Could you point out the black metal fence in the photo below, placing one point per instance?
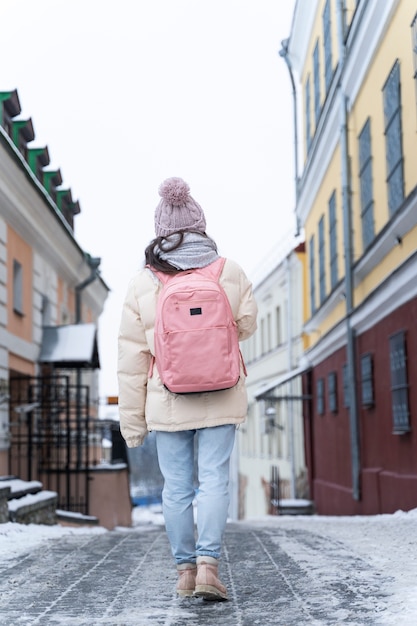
(53, 438)
(274, 486)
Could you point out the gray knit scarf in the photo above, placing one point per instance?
(196, 250)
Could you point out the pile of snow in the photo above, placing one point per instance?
(18, 539)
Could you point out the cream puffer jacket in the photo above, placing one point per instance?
(144, 403)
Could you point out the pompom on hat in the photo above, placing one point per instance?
(177, 210)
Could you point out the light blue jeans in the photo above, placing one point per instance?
(176, 461)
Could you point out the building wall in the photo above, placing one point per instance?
(19, 324)
(33, 233)
(378, 264)
(395, 46)
(366, 102)
(388, 460)
(275, 348)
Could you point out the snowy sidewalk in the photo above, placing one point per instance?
(288, 571)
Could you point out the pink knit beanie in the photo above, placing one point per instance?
(177, 210)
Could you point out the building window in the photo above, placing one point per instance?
(17, 287)
(332, 391)
(46, 311)
(316, 70)
(253, 346)
(333, 240)
(320, 396)
(322, 261)
(367, 380)
(278, 326)
(307, 113)
(366, 186)
(393, 139)
(268, 332)
(346, 388)
(327, 43)
(399, 383)
(414, 43)
(312, 277)
(263, 337)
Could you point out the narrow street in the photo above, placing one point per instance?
(289, 572)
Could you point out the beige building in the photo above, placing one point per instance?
(270, 443)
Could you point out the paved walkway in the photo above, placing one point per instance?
(126, 578)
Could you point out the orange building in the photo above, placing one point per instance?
(51, 299)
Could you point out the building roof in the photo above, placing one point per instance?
(70, 346)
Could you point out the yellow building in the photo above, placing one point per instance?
(354, 66)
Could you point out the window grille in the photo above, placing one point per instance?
(367, 380)
(327, 43)
(366, 187)
(399, 383)
(333, 240)
(346, 390)
(307, 113)
(320, 396)
(322, 261)
(414, 44)
(312, 276)
(332, 391)
(316, 69)
(393, 139)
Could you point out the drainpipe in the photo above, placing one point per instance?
(283, 53)
(290, 402)
(348, 253)
(93, 263)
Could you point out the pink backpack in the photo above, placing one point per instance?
(196, 337)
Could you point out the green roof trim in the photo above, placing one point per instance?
(10, 101)
(61, 196)
(51, 178)
(65, 195)
(37, 155)
(22, 126)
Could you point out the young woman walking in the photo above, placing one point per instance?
(206, 421)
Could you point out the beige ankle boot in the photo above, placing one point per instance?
(186, 579)
(207, 583)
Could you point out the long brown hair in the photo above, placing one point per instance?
(164, 244)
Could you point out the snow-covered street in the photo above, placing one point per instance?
(287, 570)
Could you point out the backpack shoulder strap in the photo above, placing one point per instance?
(214, 270)
(161, 275)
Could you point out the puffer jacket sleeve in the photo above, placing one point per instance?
(239, 290)
(133, 366)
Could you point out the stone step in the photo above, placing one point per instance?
(4, 509)
(38, 508)
(295, 507)
(71, 518)
(25, 502)
(18, 487)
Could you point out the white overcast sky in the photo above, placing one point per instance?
(127, 93)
